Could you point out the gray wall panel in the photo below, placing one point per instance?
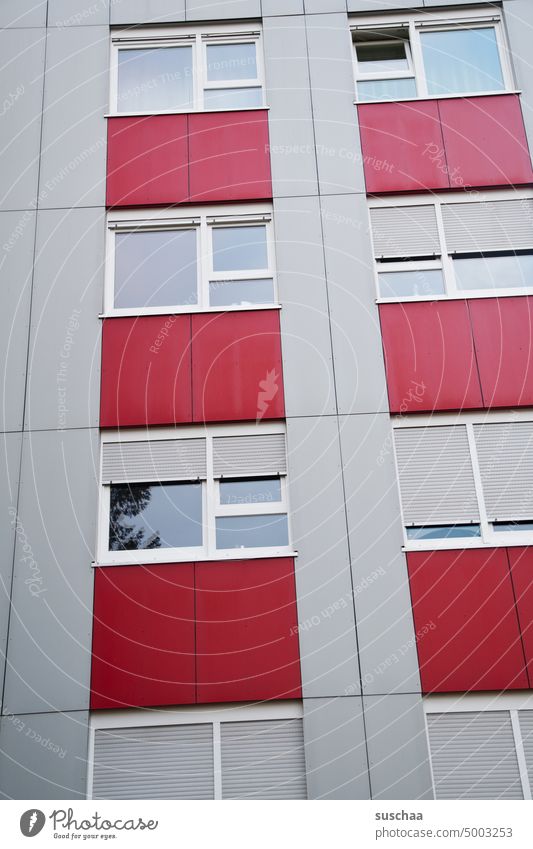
(44, 756)
(313, 6)
(23, 13)
(9, 475)
(292, 142)
(76, 13)
(64, 363)
(397, 747)
(49, 647)
(73, 159)
(328, 646)
(519, 21)
(306, 340)
(379, 5)
(214, 10)
(147, 11)
(21, 92)
(17, 237)
(282, 7)
(387, 646)
(335, 751)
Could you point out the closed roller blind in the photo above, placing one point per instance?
(436, 478)
(166, 762)
(474, 756)
(494, 225)
(237, 456)
(263, 760)
(164, 459)
(505, 452)
(525, 718)
(405, 231)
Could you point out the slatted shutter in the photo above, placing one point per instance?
(474, 756)
(505, 452)
(525, 719)
(405, 231)
(436, 478)
(162, 762)
(263, 760)
(239, 456)
(156, 460)
(491, 225)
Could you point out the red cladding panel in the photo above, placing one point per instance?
(503, 338)
(466, 621)
(236, 366)
(229, 156)
(146, 371)
(402, 146)
(429, 356)
(246, 636)
(485, 141)
(143, 636)
(521, 561)
(147, 160)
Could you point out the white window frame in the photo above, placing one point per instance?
(151, 37)
(511, 703)
(416, 23)
(376, 76)
(445, 260)
(204, 219)
(489, 537)
(213, 715)
(210, 501)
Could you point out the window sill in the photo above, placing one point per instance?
(517, 541)
(237, 554)
(200, 311)
(465, 296)
(465, 96)
(186, 112)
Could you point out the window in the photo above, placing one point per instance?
(160, 263)
(186, 70)
(237, 752)
(429, 56)
(201, 493)
(466, 479)
(479, 245)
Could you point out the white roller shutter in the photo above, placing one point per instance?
(263, 760)
(238, 456)
(473, 756)
(405, 231)
(162, 762)
(436, 478)
(505, 452)
(151, 461)
(525, 718)
(490, 225)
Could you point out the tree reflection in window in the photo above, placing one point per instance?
(127, 502)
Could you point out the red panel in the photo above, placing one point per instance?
(246, 635)
(521, 562)
(236, 366)
(143, 636)
(485, 141)
(429, 356)
(466, 621)
(503, 338)
(147, 160)
(146, 371)
(229, 156)
(402, 147)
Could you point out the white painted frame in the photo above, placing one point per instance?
(210, 85)
(417, 22)
(213, 715)
(162, 36)
(203, 219)
(380, 76)
(210, 502)
(489, 537)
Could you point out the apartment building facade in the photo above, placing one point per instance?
(267, 490)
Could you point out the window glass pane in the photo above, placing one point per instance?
(233, 98)
(494, 272)
(251, 531)
(256, 491)
(462, 60)
(386, 89)
(155, 268)
(155, 79)
(444, 532)
(402, 284)
(146, 516)
(239, 248)
(505, 527)
(374, 58)
(231, 62)
(230, 293)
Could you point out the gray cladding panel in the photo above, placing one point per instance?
(75, 13)
(9, 475)
(147, 11)
(518, 22)
(214, 10)
(23, 13)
